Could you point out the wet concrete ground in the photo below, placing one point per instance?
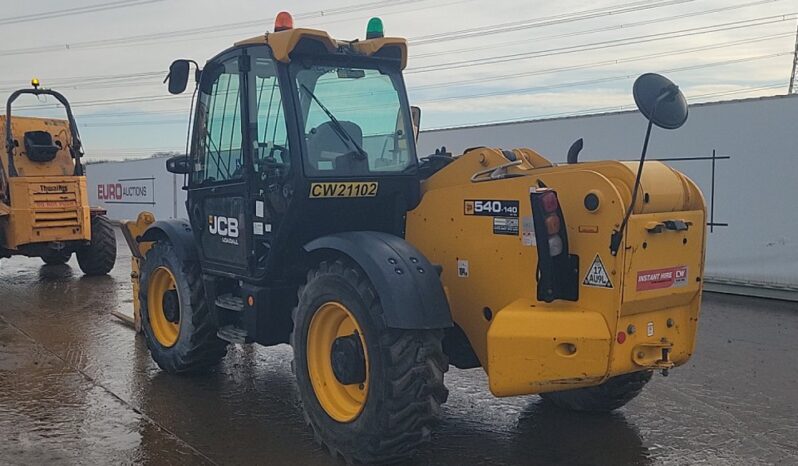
(78, 387)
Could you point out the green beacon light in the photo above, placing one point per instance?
(374, 29)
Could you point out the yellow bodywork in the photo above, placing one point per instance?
(47, 202)
(528, 346)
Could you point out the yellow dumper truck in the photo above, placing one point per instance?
(44, 208)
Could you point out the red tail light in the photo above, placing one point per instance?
(550, 203)
(557, 271)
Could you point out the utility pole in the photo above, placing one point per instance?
(792, 89)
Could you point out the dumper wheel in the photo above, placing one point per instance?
(175, 315)
(99, 257)
(57, 257)
(370, 393)
(611, 395)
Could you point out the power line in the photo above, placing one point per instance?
(658, 20)
(545, 21)
(417, 41)
(591, 65)
(518, 92)
(123, 80)
(526, 91)
(75, 11)
(156, 37)
(84, 80)
(689, 32)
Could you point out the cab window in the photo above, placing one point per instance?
(270, 133)
(218, 154)
(354, 121)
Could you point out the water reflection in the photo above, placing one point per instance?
(55, 272)
(552, 435)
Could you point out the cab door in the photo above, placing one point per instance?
(218, 189)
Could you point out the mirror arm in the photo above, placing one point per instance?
(617, 235)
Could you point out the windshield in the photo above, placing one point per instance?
(354, 121)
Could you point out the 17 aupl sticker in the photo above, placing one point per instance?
(597, 275)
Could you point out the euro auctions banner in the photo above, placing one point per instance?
(139, 191)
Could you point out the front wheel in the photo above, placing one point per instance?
(609, 396)
(175, 316)
(99, 257)
(370, 393)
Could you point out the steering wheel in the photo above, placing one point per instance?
(270, 161)
(269, 167)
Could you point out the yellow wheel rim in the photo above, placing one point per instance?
(165, 330)
(344, 403)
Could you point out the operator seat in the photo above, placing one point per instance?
(327, 151)
(39, 146)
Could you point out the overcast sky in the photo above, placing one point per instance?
(471, 61)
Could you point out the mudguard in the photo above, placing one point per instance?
(178, 232)
(408, 285)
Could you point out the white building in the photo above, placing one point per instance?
(754, 242)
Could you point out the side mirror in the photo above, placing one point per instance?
(660, 100)
(178, 76)
(415, 114)
(179, 165)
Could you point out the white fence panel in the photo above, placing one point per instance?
(127, 188)
(755, 190)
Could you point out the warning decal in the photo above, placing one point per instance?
(597, 275)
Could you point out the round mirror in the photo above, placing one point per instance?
(660, 100)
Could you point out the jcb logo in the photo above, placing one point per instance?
(223, 226)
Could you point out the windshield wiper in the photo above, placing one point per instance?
(339, 128)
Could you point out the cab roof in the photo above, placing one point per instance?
(284, 43)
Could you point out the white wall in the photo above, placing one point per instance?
(127, 188)
(756, 191)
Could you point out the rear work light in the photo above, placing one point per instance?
(283, 22)
(557, 271)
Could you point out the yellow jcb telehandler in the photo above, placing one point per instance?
(312, 222)
(44, 209)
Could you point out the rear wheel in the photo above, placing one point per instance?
(611, 395)
(99, 257)
(369, 393)
(57, 257)
(175, 315)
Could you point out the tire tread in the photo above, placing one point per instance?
(415, 367)
(99, 257)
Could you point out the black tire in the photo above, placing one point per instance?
(99, 257)
(197, 347)
(57, 257)
(609, 396)
(406, 369)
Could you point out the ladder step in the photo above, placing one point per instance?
(230, 302)
(232, 334)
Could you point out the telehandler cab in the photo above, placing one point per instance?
(312, 222)
(44, 208)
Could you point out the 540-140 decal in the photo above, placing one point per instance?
(344, 189)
